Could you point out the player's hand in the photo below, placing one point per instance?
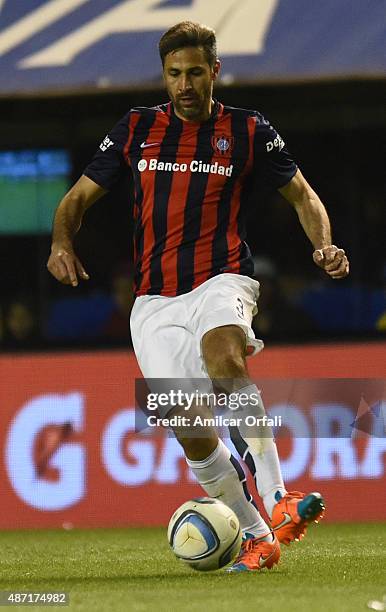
(333, 261)
(65, 266)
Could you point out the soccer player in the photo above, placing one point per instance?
(195, 291)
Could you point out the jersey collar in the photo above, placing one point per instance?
(217, 111)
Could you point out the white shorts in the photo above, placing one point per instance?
(167, 331)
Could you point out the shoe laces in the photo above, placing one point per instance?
(248, 545)
(248, 550)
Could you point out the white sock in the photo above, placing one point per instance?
(221, 476)
(257, 448)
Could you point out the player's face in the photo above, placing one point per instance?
(189, 82)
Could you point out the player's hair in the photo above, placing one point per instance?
(189, 34)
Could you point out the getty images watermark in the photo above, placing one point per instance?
(300, 408)
(195, 406)
(233, 403)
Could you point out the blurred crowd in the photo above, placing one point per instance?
(88, 317)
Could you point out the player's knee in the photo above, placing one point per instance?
(223, 351)
(228, 364)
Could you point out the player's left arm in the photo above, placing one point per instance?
(315, 222)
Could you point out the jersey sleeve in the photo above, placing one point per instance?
(109, 163)
(273, 164)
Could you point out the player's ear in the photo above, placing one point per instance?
(216, 70)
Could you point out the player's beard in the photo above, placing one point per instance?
(197, 110)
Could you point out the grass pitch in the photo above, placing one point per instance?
(337, 568)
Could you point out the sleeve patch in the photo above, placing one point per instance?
(106, 143)
(277, 144)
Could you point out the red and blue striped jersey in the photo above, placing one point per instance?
(190, 179)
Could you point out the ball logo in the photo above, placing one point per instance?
(142, 165)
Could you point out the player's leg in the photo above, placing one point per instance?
(222, 477)
(223, 349)
(165, 348)
(218, 472)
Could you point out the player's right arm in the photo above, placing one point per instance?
(106, 167)
(63, 263)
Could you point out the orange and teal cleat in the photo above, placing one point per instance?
(293, 513)
(255, 554)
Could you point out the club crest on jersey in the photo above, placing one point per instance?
(223, 144)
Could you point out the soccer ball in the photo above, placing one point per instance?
(205, 534)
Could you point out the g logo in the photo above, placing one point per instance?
(142, 165)
(68, 459)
